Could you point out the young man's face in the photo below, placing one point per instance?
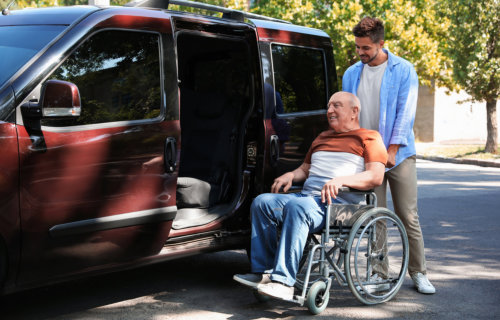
(368, 50)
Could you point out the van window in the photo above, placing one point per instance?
(118, 75)
(299, 78)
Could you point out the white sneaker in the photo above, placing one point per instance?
(276, 290)
(252, 279)
(373, 286)
(422, 283)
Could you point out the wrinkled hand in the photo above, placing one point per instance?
(330, 190)
(284, 181)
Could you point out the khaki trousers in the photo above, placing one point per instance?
(403, 183)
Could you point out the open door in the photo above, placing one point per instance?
(216, 74)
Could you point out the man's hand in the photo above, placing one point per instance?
(284, 181)
(391, 155)
(330, 190)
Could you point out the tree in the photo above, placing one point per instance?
(474, 36)
(413, 29)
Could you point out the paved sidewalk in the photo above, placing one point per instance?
(422, 147)
(477, 162)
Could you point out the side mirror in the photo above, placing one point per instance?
(60, 99)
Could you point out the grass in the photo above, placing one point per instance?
(462, 151)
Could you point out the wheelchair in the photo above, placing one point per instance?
(362, 247)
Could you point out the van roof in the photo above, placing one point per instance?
(52, 15)
(271, 25)
(70, 14)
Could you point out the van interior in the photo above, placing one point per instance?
(215, 90)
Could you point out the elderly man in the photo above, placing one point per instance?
(344, 156)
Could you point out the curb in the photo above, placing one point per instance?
(482, 163)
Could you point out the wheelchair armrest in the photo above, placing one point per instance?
(298, 187)
(352, 190)
(295, 188)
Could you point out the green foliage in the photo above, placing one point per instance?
(474, 41)
(413, 30)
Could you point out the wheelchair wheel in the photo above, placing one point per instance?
(317, 297)
(377, 256)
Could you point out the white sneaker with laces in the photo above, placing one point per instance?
(373, 286)
(252, 279)
(422, 283)
(276, 290)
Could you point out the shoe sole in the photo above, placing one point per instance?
(275, 297)
(426, 292)
(246, 282)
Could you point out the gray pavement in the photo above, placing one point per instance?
(459, 213)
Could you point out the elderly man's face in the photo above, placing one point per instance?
(340, 114)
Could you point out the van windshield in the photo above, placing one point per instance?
(18, 44)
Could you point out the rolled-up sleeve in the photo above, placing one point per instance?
(406, 106)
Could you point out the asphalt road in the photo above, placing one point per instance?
(460, 217)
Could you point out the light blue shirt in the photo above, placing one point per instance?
(398, 102)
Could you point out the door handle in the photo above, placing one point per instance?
(274, 150)
(170, 155)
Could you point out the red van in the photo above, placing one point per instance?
(135, 135)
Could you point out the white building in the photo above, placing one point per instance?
(442, 118)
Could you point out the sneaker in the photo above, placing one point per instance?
(373, 286)
(252, 279)
(276, 290)
(422, 283)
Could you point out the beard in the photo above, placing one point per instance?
(368, 58)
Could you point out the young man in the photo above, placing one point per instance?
(346, 155)
(387, 87)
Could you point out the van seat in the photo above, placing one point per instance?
(207, 147)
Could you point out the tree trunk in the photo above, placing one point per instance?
(492, 126)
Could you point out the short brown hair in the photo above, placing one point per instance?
(369, 27)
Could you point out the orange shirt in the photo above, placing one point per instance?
(362, 142)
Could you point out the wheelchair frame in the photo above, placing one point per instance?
(321, 263)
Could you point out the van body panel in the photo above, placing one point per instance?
(269, 31)
(9, 199)
(89, 175)
(99, 194)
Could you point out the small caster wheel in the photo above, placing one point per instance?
(317, 297)
(260, 297)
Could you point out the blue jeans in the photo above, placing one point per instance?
(296, 215)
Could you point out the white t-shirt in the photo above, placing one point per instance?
(369, 95)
